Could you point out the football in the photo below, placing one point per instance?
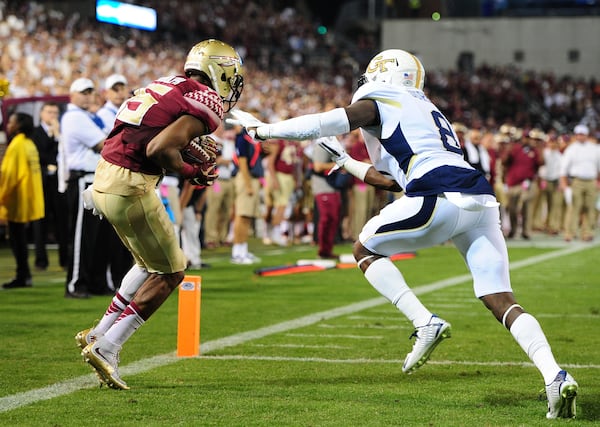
(200, 150)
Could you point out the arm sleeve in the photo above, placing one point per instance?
(310, 126)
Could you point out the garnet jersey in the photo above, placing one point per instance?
(152, 109)
(287, 156)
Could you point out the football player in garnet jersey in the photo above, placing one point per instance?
(151, 129)
(414, 145)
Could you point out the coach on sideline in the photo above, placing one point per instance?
(82, 138)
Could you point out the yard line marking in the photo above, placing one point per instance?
(355, 337)
(378, 318)
(337, 347)
(62, 388)
(363, 326)
(381, 361)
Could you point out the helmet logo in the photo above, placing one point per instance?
(379, 64)
(225, 61)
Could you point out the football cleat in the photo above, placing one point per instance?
(106, 364)
(85, 337)
(561, 394)
(427, 337)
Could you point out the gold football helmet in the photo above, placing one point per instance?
(221, 65)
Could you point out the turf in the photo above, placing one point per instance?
(331, 369)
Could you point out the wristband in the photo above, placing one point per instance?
(356, 168)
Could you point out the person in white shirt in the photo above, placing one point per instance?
(82, 138)
(412, 146)
(115, 92)
(579, 172)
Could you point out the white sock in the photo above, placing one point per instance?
(127, 323)
(132, 281)
(114, 310)
(383, 275)
(528, 333)
(276, 232)
(239, 250)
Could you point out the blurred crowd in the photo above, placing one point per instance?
(516, 126)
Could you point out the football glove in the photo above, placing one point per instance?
(204, 174)
(245, 119)
(335, 148)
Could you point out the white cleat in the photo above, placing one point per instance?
(561, 394)
(427, 338)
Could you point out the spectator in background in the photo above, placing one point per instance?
(21, 192)
(328, 201)
(475, 153)
(115, 93)
(220, 196)
(550, 213)
(580, 170)
(521, 163)
(192, 201)
(46, 137)
(362, 196)
(249, 169)
(83, 136)
(283, 178)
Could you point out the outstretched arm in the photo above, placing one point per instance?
(312, 126)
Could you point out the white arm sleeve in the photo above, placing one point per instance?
(309, 126)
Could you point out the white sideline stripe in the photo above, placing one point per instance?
(383, 361)
(14, 401)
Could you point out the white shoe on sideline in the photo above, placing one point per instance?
(248, 259)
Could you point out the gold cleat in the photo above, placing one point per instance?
(83, 338)
(105, 363)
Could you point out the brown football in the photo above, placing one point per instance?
(200, 151)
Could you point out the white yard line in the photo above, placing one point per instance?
(383, 361)
(17, 400)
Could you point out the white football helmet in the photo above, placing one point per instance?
(396, 67)
(221, 65)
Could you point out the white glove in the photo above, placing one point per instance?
(246, 120)
(88, 201)
(335, 148)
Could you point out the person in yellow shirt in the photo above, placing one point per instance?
(21, 192)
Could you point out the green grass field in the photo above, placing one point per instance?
(311, 349)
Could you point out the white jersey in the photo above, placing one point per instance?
(416, 145)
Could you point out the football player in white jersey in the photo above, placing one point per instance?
(412, 145)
